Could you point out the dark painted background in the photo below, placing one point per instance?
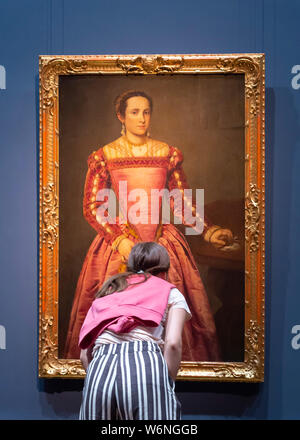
(31, 27)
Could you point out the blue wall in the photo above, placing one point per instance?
(32, 27)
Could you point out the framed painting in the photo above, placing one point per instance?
(202, 155)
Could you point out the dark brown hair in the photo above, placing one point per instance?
(149, 257)
(121, 100)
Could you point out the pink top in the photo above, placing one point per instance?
(140, 304)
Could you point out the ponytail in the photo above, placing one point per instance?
(145, 259)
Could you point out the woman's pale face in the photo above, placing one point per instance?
(137, 116)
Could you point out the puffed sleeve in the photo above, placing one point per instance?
(177, 180)
(97, 179)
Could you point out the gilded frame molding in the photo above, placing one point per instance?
(253, 68)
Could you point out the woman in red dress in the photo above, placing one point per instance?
(142, 164)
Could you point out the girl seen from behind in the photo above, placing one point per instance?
(131, 342)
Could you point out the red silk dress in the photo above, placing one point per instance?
(199, 341)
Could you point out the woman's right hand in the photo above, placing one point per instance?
(125, 247)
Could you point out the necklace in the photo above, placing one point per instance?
(124, 148)
(139, 150)
(136, 150)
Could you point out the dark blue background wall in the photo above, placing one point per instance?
(32, 27)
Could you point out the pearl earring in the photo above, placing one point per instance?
(123, 131)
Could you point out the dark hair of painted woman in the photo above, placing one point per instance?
(121, 100)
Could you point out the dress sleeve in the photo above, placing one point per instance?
(98, 178)
(177, 180)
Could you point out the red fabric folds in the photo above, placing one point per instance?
(199, 336)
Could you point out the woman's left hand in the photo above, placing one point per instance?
(221, 237)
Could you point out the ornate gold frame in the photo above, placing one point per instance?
(253, 68)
